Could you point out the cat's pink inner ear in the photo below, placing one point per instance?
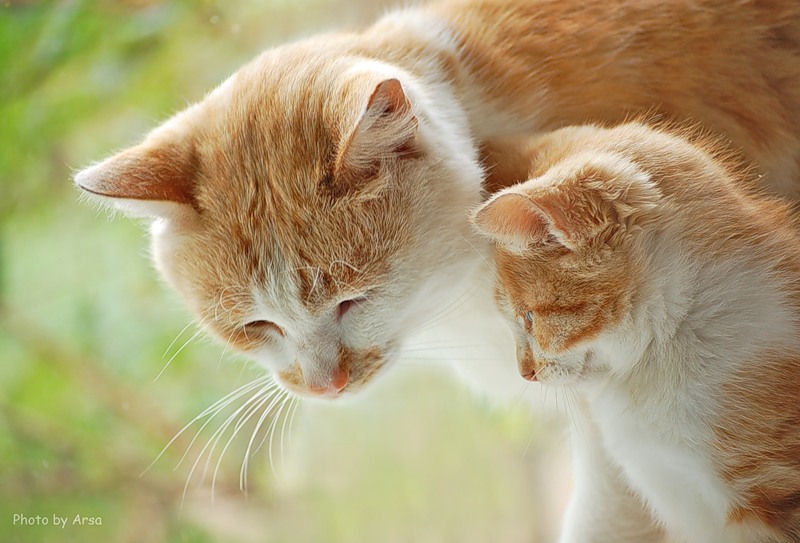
(386, 129)
(143, 173)
(555, 210)
(511, 218)
(388, 98)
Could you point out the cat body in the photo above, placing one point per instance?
(311, 209)
(642, 270)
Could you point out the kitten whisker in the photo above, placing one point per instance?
(520, 395)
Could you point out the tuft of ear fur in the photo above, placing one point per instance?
(153, 179)
(386, 130)
(582, 203)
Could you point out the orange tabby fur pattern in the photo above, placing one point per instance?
(641, 268)
(311, 209)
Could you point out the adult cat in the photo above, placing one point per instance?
(640, 270)
(311, 209)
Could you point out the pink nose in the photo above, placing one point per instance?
(339, 379)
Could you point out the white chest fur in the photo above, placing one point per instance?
(666, 459)
(656, 413)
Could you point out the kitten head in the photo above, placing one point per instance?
(567, 255)
(308, 211)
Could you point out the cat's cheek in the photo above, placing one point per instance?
(292, 380)
(274, 360)
(167, 243)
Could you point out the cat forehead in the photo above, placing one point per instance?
(251, 263)
(556, 274)
(292, 94)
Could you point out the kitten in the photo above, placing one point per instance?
(311, 209)
(640, 270)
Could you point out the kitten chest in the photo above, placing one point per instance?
(662, 451)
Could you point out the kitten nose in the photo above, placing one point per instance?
(337, 382)
(527, 364)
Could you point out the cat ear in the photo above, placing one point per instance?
(600, 196)
(512, 220)
(153, 179)
(387, 129)
(577, 207)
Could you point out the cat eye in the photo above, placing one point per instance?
(261, 326)
(529, 316)
(347, 305)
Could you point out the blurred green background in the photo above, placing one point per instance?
(86, 327)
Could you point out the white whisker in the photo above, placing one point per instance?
(176, 354)
(271, 431)
(445, 312)
(212, 417)
(483, 257)
(237, 427)
(217, 433)
(188, 324)
(293, 402)
(520, 395)
(215, 407)
(246, 461)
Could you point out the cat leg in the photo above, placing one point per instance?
(603, 508)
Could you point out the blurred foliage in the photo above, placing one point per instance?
(84, 326)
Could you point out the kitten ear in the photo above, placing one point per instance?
(599, 196)
(577, 205)
(386, 130)
(153, 179)
(511, 219)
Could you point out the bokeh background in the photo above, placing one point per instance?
(86, 329)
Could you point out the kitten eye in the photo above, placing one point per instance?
(347, 305)
(529, 316)
(261, 326)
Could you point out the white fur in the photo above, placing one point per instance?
(696, 323)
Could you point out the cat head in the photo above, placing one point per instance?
(309, 211)
(567, 254)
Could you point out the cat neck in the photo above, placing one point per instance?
(696, 319)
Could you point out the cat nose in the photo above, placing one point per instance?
(338, 380)
(527, 364)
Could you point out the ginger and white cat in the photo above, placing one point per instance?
(641, 270)
(311, 210)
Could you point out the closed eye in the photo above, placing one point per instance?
(260, 327)
(347, 305)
